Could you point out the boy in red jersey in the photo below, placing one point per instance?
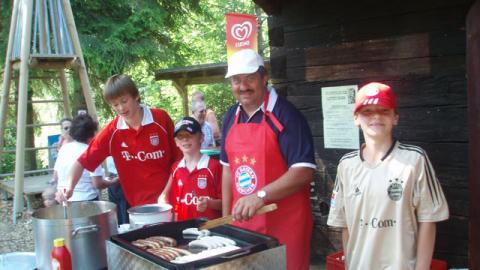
(194, 187)
(140, 140)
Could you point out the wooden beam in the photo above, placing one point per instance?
(22, 109)
(182, 88)
(7, 75)
(473, 77)
(67, 112)
(82, 69)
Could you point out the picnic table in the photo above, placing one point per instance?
(32, 186)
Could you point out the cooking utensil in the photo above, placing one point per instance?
(228, 219)
(64, 204)
(88, 225)
(149, 213)
(122, 254)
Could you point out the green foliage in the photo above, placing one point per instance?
(138, 38)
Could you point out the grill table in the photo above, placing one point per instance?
(257, 251)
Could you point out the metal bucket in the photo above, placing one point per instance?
(149, 214)
(85, 230)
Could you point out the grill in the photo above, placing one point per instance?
(257, 251)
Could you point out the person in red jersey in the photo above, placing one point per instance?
(140, 140)
(194, 187)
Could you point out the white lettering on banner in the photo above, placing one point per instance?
(143, 156)
(242, 44)
(190, 199)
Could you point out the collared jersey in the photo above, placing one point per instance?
(296, 143)
(143, 157)
(188, 187)
(382, 205)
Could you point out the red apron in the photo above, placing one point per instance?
(256, 160)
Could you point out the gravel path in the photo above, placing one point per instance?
(18, 237)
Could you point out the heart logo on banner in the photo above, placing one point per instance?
(241, 31)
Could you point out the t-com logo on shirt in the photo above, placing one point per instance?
(143, 156)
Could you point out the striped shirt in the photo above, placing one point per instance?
(381, 206)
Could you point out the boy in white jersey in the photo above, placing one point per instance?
(386, 196)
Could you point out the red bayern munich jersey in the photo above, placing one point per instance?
(188, 187)
(143, 157)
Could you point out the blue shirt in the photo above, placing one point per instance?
(295, 141)
(207, 135)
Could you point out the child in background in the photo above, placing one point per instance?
(386, 197)
(194, 188)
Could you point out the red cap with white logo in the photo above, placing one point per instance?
(375, 93)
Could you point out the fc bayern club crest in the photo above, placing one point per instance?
(154, 140)
(202, 182)
(395, 189)
(245, 180)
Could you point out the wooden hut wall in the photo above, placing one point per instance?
(418, 47)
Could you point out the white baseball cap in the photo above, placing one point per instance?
(245, 61)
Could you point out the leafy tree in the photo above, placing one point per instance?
(140, 37)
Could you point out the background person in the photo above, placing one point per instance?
(194, 187)
(115, 193)
(386, 196)
(65, 125)
(268, 156)
(139, 139)
(210, 117)
(82, 130)
(199, 112)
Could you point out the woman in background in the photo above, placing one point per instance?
(82, 130)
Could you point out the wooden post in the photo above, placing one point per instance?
(63, 83)
(182, 88)
(473, 81)
(7, 76)
(82, 70)
(43, 29)
(22, 108)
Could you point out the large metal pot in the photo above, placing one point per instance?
(87, 226)
(149, 214)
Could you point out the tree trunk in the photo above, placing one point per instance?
(30, 156)
(78, 100)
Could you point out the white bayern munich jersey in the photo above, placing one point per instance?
(381, 206)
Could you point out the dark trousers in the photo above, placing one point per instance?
(115, 195)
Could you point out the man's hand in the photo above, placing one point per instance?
(246, 207)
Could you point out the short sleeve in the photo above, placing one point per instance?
(336, 216)
(295, 141)
(429, 200)
(98, 150)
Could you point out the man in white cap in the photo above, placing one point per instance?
(268, 157)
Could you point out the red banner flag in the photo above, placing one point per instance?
(241, 32)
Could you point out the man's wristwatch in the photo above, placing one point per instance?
(262, 194)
